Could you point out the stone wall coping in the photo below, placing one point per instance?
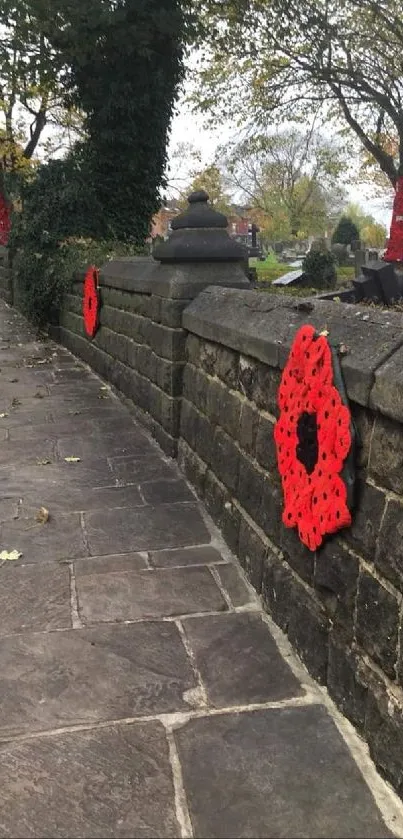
(145, 276)
(263, 326)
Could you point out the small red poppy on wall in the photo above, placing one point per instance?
(91, 301)
(313, 437)
(5, 221)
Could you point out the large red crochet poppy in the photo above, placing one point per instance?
(5, 221)
(313, 440)
(394, 251)
(91, 301)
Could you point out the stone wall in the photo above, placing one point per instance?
(341, 606)
(201, 367)
(140, 346)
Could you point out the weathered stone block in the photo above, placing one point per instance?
(298, 614)
(366, 519)
(377, 622)
(133, 350)
(250, 486)
(192, 466)
(197, 431)
(389, 553)
(364, 422)
(225, 459)
(165, 409)
(386, 459)
(113, 343)
(387, 392)
(168, 376)
(166, 311)
(259, 383)
(248, 426)
(296, 554)
(193, 349)
(207, 354)
(195, 387)
(170, 343)
(277, 588)
(344, 682)
(139, 304)
(143, 360)
(74, 323)
(230, 525)
(227, 367)
(216, 360)
(308, 631)
(215, 496)
(336, 577)
(269, 513)
(384, 732)
(265, 447)
(223, 407)
(127, 323)
(252, 552)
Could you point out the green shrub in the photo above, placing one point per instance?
(320, 268)
(346, 232)
(123, 66)
(42, 277)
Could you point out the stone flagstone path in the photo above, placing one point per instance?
(143, 692)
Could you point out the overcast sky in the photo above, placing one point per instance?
(188, 127)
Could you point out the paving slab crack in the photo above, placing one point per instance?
(181, 804)
(76, 621)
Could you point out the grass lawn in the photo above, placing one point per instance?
(271, 269)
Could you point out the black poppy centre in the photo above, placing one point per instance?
(307, 447)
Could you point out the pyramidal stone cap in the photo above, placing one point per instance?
(200, 235)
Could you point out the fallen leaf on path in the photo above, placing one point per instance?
(3, 415)
(13, 381)
(42, 515)
(4, 555)
(44, 462)
(39, 395)
(72, 459)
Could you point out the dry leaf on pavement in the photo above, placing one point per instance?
(4, 555)
(42, 515)
(72, 459)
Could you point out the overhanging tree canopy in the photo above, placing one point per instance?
(342, 56)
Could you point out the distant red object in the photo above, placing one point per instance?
(394, 250)
(5, 221)
(91, 301)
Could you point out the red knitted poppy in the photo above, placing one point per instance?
(313, 440)
(91, 301)
(394, 251)
(5, 221)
